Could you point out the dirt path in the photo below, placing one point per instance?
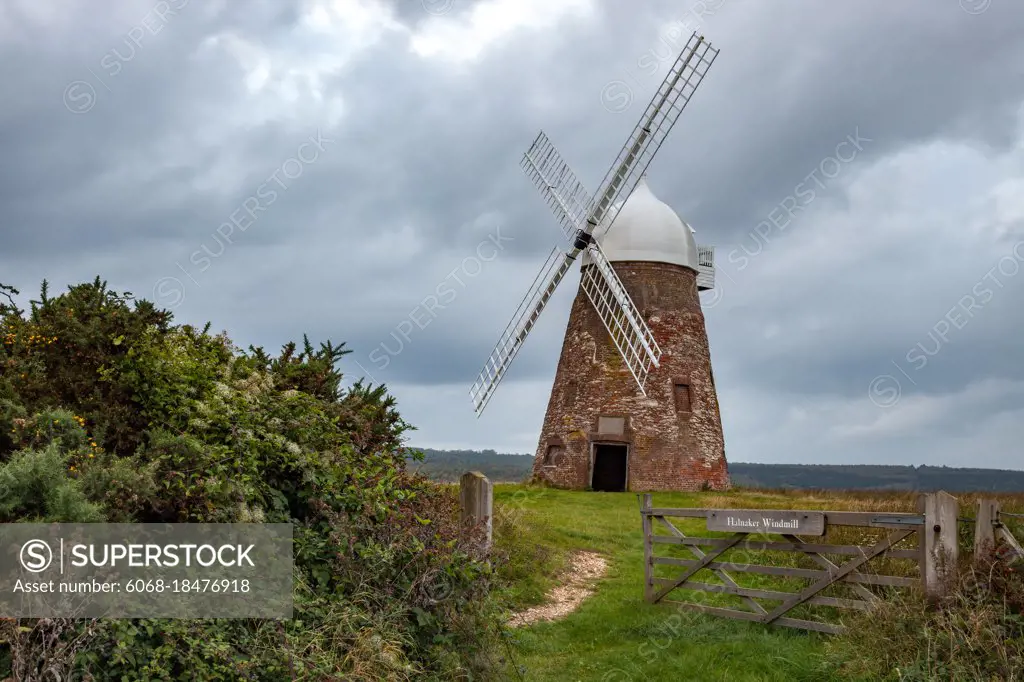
(577, 583)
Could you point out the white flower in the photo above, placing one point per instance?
(247, 514)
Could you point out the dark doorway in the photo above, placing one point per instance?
(609, 468)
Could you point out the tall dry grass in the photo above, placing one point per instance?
(975, 633)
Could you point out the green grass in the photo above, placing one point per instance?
(615, 635)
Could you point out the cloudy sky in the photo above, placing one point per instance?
(327, 166)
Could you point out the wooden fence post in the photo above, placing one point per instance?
(1009, 549)
(645, 506)
(985, 520)
(476, 495)
(940, 539)
(922, 542)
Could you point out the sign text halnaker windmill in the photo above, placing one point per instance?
(633, 406)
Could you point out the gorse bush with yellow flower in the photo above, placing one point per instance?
(110, 412)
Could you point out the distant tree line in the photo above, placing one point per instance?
(448, 465)
(875, 477)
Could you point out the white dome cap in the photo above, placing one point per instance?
(647, 229)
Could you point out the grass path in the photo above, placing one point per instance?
(614, 635)
(575, 585)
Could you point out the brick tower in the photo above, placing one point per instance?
(600, 431)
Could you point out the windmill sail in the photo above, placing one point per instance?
(525, 317)
(566, 196)
(654, 126)
(620, 316)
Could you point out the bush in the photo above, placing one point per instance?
(110, 412)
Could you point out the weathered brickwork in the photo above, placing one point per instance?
(670, 448)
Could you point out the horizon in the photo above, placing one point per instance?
(801, 464)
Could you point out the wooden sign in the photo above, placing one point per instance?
(767, 521)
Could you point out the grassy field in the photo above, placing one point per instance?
(615, 635)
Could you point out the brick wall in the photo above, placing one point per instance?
(669, 450)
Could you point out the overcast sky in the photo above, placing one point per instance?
(328, 167)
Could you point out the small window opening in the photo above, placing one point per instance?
(554, 455)
(682, 397)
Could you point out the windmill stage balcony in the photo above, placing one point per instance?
(705, 268)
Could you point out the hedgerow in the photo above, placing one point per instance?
(111, 412)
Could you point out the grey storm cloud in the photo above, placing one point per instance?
(132, 136)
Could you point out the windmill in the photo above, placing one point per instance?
(587, 222)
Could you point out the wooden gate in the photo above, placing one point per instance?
(841, 575)
(992, 534)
